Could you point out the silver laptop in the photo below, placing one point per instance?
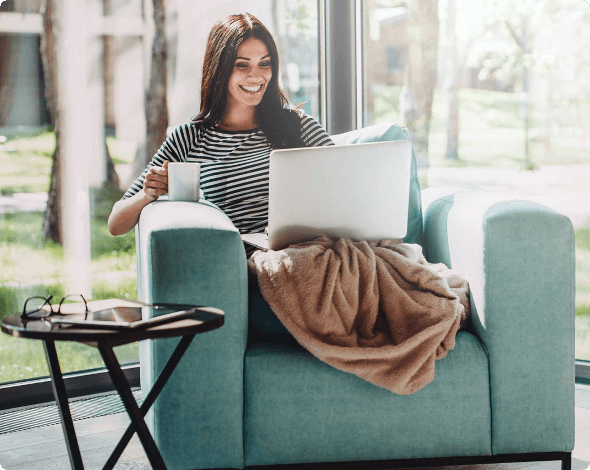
(359, 192)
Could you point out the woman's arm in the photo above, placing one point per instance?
(314, 134)
(125, 213)
(153, 182)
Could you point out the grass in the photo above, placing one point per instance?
(25, 359)
(121, 151)
(491, 131)
(491, 135)
(583, 274)
(31, 265)
(26, 162)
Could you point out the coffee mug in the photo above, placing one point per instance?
(183, 181)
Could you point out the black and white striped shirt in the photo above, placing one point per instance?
(234, 167)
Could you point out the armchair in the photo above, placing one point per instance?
(248, 395)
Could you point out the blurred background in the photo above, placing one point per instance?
(495, 93)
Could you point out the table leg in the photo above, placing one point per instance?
(61, 397)
(137, 421)
(171, 364)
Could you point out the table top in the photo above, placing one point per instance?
(204, 319)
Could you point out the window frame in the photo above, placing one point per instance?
(341, 108)
(30, 392)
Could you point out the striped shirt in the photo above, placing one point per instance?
(234, 167)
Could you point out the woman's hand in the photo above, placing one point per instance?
(156, 181)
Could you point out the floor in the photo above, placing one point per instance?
(28, 449)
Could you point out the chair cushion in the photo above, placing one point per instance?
(263, 322)
(298, 409)
(384, 133)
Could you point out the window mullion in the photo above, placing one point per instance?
(340, 65)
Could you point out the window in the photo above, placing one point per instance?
(500, 99)
(504, 88)
(88, 259)
(296, 31)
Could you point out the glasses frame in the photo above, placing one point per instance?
(27, 316)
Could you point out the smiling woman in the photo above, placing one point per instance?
(246, 85)
(244, 114)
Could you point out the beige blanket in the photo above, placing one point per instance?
(379, 311)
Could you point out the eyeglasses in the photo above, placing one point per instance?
(34, 307)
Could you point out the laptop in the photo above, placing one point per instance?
(358, 192)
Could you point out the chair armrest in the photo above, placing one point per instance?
(191, 253)
(518, 257)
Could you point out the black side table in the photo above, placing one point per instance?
(204, 319)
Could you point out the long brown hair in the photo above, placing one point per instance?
(281, 125)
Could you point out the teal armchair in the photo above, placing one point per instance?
(248, 395)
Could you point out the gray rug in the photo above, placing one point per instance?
(38, 416)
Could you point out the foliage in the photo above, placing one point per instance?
(583, 310)
(583, 238)
(102, 200)
(26, 161)
(13, 296)
(491, 130)
(299, 19)
(25, 358)
(121, 151)
(25, 256)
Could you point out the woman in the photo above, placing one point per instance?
(244, 115)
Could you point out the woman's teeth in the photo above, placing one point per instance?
(251, 89)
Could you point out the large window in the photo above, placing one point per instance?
(102, 151)
(496, 94)
(40, 256)
(499, 99)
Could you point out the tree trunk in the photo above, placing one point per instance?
(452, 83)
(421, 71)
(156, 103)
(49, 53)
(112, 176)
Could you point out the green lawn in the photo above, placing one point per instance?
(491, 135)
(491, 131)
(26, 160)
(30, 265)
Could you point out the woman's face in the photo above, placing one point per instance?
(251, 74)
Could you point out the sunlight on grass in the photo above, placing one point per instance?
(26, 163)
(583, 293)
(25, 358)
(491, 135)
(491, 131)
(121, 151)
(31, 265)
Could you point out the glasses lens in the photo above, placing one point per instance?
(37, 307)
(73, 303)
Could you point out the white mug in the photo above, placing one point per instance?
(183, 181)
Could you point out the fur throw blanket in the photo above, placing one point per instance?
(376, 310)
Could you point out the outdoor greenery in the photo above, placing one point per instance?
(491, 130)
(583, 271)
(31, 265)
(491, 135)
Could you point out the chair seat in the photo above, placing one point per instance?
(298, 409)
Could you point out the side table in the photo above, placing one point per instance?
(204, 319)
